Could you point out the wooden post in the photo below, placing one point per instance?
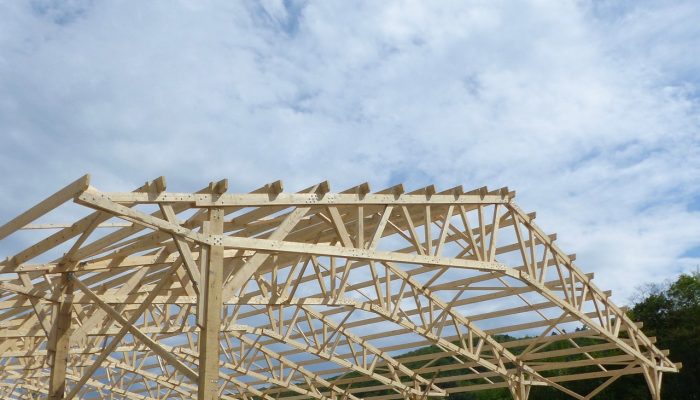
(653, 378)
(518, 388)
(521, 391)
(59, 340)
(209, 318)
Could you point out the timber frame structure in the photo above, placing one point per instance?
(309, 295)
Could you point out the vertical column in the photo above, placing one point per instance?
(519, 389)
(59, 340)
(653, 377)
(209, 309)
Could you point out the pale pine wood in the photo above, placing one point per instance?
(45, 206)
(279, 295)
(210, 307)
(59, 340)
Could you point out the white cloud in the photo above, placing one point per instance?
(589, 110)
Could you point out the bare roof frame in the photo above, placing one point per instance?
(312, 294)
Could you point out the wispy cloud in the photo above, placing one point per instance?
(588, 109)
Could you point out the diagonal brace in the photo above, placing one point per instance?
(153, 345)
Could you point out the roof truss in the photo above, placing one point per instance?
(313, 294)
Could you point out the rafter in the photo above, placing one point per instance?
(312, 294)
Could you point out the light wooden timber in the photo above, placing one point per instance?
(209, 309)
(313, 294)
(45, 206)
(59, 341)
(62, 226)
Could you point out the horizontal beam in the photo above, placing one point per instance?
(300, 199)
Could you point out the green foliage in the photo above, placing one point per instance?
(672, 314)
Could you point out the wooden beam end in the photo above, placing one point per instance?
(363, 189)
(84, 182)
(274, 188)
(219, 187)
(159, 184)
(323, 188)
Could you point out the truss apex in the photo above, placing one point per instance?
(361, 189)
(323, 188)
(159, 184)
(219, 187)
(428, 190)
(275, 188)
(456, 191)
(396, 190)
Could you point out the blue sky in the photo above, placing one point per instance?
(588, 109)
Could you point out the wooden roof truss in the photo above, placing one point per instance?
(313, 294)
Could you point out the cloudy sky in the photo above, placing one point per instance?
(588, 109)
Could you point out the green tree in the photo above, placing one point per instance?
(672, 314)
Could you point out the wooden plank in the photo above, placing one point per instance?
(45, 206)
(59, 341)
(142, 337)
(40, 312)
(300, 199)
(107, 350)
(241, 276)
(183, 248)
(210, 305)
